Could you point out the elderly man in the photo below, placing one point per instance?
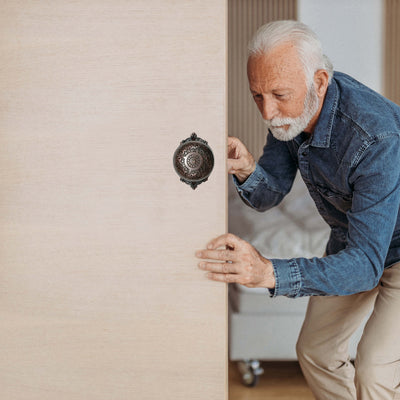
(345, 141)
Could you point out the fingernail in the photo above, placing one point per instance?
(202, 265)
(209, 246)
(198, 253)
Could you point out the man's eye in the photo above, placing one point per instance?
(257, 96)
(279, 96)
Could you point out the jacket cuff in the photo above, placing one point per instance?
(251, 182)
(287, 278)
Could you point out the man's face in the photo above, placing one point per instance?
(278, 85)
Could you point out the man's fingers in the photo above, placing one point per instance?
(233, 147)
(233, 141)
(228, 278)
(234, 165)
(227, 239)
(222, 255)
(219, 268)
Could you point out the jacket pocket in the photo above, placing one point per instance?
(340, 201)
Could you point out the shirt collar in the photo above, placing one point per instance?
(323, 129)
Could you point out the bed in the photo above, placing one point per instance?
(261, 327)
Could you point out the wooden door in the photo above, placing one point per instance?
(100, 294)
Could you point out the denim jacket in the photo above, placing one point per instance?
(351, 166)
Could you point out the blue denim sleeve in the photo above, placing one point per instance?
(375, 179)
(272, 179)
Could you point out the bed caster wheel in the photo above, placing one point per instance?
(250, 371)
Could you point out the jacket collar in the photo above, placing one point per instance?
(323, 129)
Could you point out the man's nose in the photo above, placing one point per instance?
(269, 109)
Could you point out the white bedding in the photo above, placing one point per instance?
(292, 229)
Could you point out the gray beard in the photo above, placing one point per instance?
(298, 124)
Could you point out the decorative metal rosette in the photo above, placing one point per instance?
(193, 161)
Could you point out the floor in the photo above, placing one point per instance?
(281, 380)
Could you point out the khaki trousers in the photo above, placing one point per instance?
(322, 347)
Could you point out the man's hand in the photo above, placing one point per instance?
(240, 162)
(241, 263)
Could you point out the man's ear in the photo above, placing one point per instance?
(321, 79)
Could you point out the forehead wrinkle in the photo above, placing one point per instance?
(271, 83)
(279, 67)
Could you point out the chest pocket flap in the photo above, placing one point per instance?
(340, 201)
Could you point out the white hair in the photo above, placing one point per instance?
(306, 41)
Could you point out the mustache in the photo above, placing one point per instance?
(275, 122)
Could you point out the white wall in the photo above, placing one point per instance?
(351, 32)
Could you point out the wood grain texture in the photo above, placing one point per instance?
(100, 295)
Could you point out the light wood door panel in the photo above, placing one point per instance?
(100, 295)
